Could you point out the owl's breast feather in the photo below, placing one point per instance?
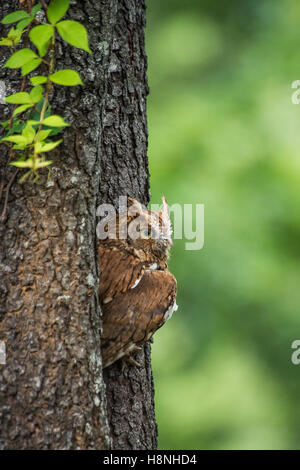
(170, 311)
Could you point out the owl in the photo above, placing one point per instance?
(137, 292)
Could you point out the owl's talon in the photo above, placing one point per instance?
(128, 359)
(133, 362)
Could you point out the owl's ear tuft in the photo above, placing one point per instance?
(131, 200)
(167, 228)
(165, 207)
(134, 206)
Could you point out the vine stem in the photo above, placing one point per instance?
(44, 5)
(7, 193)
(24, 81)
(48, 87)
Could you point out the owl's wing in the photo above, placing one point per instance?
(120, 270)
(130, 319)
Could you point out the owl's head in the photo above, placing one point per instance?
(145, 229)
(153, 227)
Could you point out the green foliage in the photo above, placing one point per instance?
(66, 77)
(54, 121)
(20, 58)
(13, 38)
(40, 36)
(22, 18)
(18, 98)
(74, 33)
(29, 137)
(57, 9)
(15, 17)
(31, 65)
(38, 80)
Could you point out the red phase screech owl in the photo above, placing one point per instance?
(137, 292)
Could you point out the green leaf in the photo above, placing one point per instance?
(46, 147)
(17, 126)
(6, 42)
(44, 48)
(33, 122)
(14, 17)
(29, 134)
(19, 98)
(55, 131)
(19, 146)
(56, 10)
(36, 94)
(21, 109)
(30, 66)
(19, 58)
(43, 135)
(74, 33)
(23, 164)
(35, 9)
(66, 77)
(38, 80)
(24, 23)
(40, 36)
(17, 139)
(42, 163)
(14, 35)
(55, 121)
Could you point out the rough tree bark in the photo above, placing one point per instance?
(52, 390)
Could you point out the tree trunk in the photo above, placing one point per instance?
(52, 390)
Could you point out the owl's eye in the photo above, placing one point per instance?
(146, 233)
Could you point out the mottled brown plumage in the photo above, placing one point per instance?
(136, 290)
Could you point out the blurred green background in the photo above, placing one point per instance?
(224, 132)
